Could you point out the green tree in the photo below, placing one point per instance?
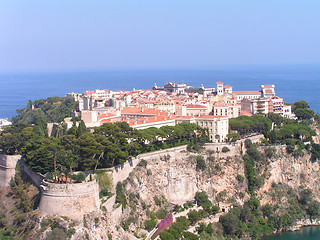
(314, 209)
(230, 223)
(165, 235)
(193, 216)
(305, 196)
(81, 129)
(202, 199)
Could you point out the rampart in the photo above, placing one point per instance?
(121, 172)
(70, 200)
(32, 176)
(7, 168)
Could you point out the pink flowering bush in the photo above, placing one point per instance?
(165, 223)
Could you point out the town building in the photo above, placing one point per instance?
(218, 126)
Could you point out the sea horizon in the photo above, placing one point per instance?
(292, 82)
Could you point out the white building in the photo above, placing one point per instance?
(218, 127)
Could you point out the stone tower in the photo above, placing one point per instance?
(219, 88)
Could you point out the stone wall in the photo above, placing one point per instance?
(35, 178)
(70, 200)
(122, 171)
(7, 168)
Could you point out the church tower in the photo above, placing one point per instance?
(219, 88)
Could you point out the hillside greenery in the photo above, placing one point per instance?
(255, 220)
(52, 109)
(80, 149)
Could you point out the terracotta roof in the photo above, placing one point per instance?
(146, 120)
(219, 82)
(88, 92)
(268, 86)
(268, 91)
(246, 113)
(105, 115)
(195, 106)
(220, 104)
(227, 86)
(149, 111)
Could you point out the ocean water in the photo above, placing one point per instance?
(306, 233)
(293, 83)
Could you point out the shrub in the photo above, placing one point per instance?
(240, 178)
(201, 164)
(305, 196)
(166, 236)
(120, 198)
(270, 152)
(225, 149)
(230, 223)
(149, 172)
(162, 213)
(56, 234)
(142, 163)
(165, 223)
(78, 178)
(193, 216)
(202, 199)
(157, 201)
(150, 224)
(104, 180)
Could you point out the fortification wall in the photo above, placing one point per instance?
(7, 168)
(35, 178)
(70, 200)
(122, 171)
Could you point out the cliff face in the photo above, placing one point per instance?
(291, 171)
(176, 179)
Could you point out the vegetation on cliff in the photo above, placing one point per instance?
(289, 205)
(105, 146)
(52, 109)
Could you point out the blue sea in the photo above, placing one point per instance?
(293, 83)
(306, 233)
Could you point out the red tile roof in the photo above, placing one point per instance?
(149, 111)
(246, 113)
(146, 120)
(195, 106)
(105, 115)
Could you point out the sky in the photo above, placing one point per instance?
(56, 35)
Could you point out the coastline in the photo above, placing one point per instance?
(298, 226)
(304, 223)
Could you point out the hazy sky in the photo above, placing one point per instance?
(129, 34)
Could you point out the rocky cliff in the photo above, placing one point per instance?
(172, 177)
